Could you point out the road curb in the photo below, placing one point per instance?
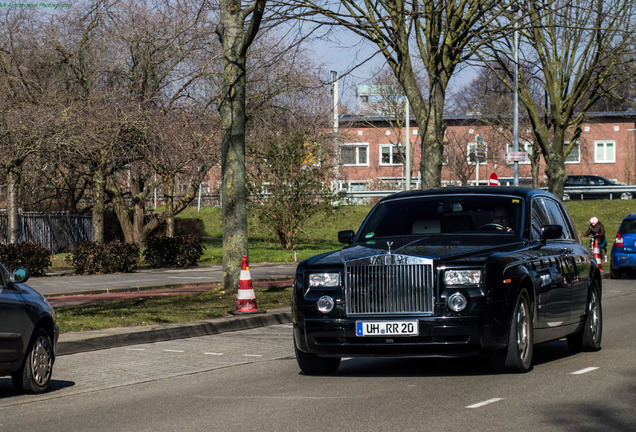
(76, 342)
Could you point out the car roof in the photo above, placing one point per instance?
(471, 190)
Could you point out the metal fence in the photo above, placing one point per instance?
(51, 231)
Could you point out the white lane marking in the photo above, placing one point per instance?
(252, 355)
(586, 370)
(175, 351)
(135, 349)
(211, 353)
(486, 402)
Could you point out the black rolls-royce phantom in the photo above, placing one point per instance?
(450, 272)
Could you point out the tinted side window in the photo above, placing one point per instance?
(538, 218)
(556, 217)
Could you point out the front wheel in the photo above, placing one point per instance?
(312, 364)
(517, 357)
(589, 337)
(35, 374)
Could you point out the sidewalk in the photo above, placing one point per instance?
(73, 289)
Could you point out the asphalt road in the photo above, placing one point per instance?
(249, 381)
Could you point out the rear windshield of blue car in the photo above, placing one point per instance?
(441, 215)
(628, 226)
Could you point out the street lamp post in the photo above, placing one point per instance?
(513, 10)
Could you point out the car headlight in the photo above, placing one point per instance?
(462, 277)
(324, 280)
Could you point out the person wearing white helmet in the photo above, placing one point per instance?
(597, 229)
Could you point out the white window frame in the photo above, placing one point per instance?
(358, 146)
(393, 151)
(600, 151)
(577, 149)
(470, 151)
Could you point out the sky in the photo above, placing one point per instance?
(355, 63)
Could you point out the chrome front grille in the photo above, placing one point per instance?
(389, 284)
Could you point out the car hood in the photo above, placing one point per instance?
(454, 248)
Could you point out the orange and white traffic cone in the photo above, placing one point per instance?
(246, 301)
(597, 255)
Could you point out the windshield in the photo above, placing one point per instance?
(442, 215)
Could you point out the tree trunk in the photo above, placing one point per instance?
(99, 187)
(236, 36)
(168, 193)
(233, 193)
(555, 163)
(432, 147)
(13, 216)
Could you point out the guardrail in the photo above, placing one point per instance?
(624, 192)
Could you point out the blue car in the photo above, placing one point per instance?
(624, 249)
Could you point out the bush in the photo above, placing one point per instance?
(112, 257)
(30, 255)
(181, 251)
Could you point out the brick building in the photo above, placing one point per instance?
(372, 152)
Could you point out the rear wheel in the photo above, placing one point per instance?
(517, 357)
(615, 273)
(589, 337)
(35, 374)
(312, 364)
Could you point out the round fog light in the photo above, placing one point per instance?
(457, 302)
(325, 304)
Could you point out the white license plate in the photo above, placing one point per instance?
(387, 328)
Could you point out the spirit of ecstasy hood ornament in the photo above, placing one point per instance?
(389, 244)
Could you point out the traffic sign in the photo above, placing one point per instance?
(515, 156)
(493, 180)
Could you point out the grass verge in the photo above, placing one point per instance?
(214, 303)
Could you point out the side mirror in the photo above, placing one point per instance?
(346, 236)
(19, 275)
(551, 232)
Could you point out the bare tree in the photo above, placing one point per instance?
(570, 50)
(437, 36)
(27, 119)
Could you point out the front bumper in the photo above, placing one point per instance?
(438, 337)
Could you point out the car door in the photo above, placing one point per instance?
(552, 269)
(12, 320)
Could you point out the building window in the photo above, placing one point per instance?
(470, 151)
(355, 154)
(604, 152)
(391, 155)
(575, 154)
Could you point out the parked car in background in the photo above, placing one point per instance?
(595, 187)
(623, 255)
(448, 273)
(28, 333)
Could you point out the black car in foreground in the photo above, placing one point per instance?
(28, 333)
(447, 273)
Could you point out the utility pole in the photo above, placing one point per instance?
(333, 92)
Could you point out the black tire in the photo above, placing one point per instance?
(517, 357)
(615, 273)
(589, 337)
(312, 364)
(35, 374)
